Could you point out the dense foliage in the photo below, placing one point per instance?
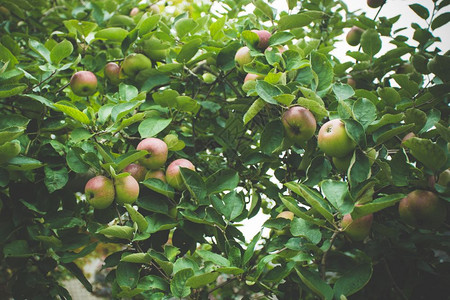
(183, 240)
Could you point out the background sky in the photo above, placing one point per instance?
(391, 9)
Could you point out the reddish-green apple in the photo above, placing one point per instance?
(134, 11)
(264, 37)
(357, 229)
(243, 57)
(375, 3)
(333, 140)
(158, 174)
(112, 72)
(299, 124)
(157, 153)
(422, 209)
(134, 63)
(173, 174)
(354, 36)
(251, 76)
(83, 83)
(127, 189)
(99, 192)
(136, 170)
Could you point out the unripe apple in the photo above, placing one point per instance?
(173, 174)
(264, 37)
(357, 229)
(83, 83)
(158, 174)
(134, 11)
(127, 189)
(157, 153)
(333, 140)
(137, 171)
(154, 8)
(422, 209)
(342, 163)
(288, 215)
(99, 192)
(243, 57)
(208, 77)
(354, 36)
(299, 124)
(134, 63)
(375, 3)
(112, 71)
(405, 69)
(155, 48)
(444, 178)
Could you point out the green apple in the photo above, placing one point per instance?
(173, 174)
(83, 83)
(137, 171)
(333, 140)
(243, 57)
(155, 48)
(134, 63)
(264, 37)
(112, 72)
(342, 163)
(354, 36)
(444, 178)
(299, 124)
(127, 189)
(375, 3)
(208, 77)
(422, 209)
(158, 174)
(357, 229)
(157, 153)
(99, 192)
(405, 69)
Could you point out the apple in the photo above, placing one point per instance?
(405, 69)
(134, 11)
(371, 154)
(422, 209)
(354, 36)
(155, 48)
(264, 37)
(444, 178)
(299, 124)
(134, 63)
(342, 163)
(243, 57)
(158, 174)
(127, 189)
(157, 153)
(251, 76)
(288, 215)
(351, 82)
(83, 83)
(154, 9)
(173, 174)
(407, 137)
(357, 229)
(208, 77)
(333, 140)
(136, 170)
(99, 192)
(375, 3)
(112, 72)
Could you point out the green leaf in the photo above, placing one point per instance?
(376, 205)
(127, 92)
(359, 168)
(371, 42)
(178, 285)
(137, 258)
(294, 61)
(189, 50)
(388, 132)
(248, 254)
(444, 131)
(417, 117)
(385, 119)
(39, 49)
(338, 195)
(136, 217)
(78, 273)
(9, 90)
(146, 25)
(202, 280)
(9, 150)
(127, 275)
(222, 180)
(353, 280)
(312, 280)
(409, 87)
(364, 111)
(315, 107)
(17, 248)
(420, 10)
(324, 70)
(343, 91)
(427, 152)
(152, 126)
(159, 187)
(82, 27)
(257, 67)
(216, 28)
(55, 179)
(231, 206)
(440, 20)
(301, 227)
(166, 98)
(61, 51)
(253, 110)
(280, 38)
(68, 257)
(153, 282)
(160, 222)
(266, 91)
(264, 7)
(114, 34)
(186, 103)
(194, 183)
(225, 57)
(23, 163)
(355, 131)
(299, 20)
(184, 26)
(117, 231)
(433, 117)
(318, 170)
(272, 137)
(291, 205)
(73, 112)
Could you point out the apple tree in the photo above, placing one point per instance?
(159, 127)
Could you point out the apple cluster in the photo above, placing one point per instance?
(101, 191)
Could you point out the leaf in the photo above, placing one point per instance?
(114, 34)
(324, 70)
(280, 38)
(127, 92)
(315, 107)
(272, 137)
(385, 119)
(128, 158)
(146, 25)
(17, 248)
(231, 206)
(299, 20)
(264, 7)
(420, 10)
(189, 50)
(353, 280)
(23, 163)
(301, 227)
(127, 275)
(253, 110)
(388, 132)
(440, 20)
(359, 169)
(78, 273)
(72, 112)
(178, 285)
(194, 183)
(371, 42)
(222, 180)
(376, 205)
(154, 282)
(137, 258)
(225, 57)
(427, 152)
(55, 179)
(117, 231)
(184, 26)
(152, 126)
(318, 170)
(166, 98)
(312, 280)
(61, 51)
(159, 187)
(248, 254)
(356, 132)
(202, 279)
(266, 91)
(338, 195)
(41, 99)
(364, 111)
(68, 257)
(291, 205)
(137, 217)
(343, 91)
(39, 49)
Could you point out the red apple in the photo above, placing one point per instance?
(354, 36)
(299, 124)
(99, 192)
(157, 153)
(357, 229)
(243, 57)
(158, 174)
(83, 83)
(112, 71)
(333, 140)
(127, 189)
(264, 37)
(173, 174)
(136, 170)
(422, 209)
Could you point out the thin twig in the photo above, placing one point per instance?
(323, 263)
